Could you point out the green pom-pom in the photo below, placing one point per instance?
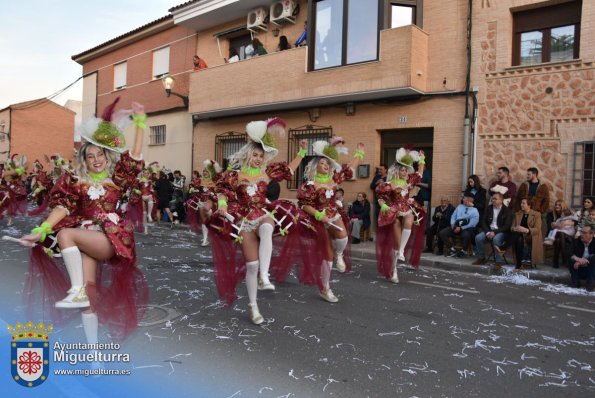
(407, 159)
(331, 152)
(269, 140)
(108, 134)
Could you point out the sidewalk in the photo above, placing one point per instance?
(367, 251)
(544, 273)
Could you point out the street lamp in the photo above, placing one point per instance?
(168, 83)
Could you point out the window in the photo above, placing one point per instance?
(120, 75)
(403, 12)
(157, 135)
(227, 144)
(239, 44)
(547, 34)
(345, 32)
(583, 173)
(312, 134)
(160, 62)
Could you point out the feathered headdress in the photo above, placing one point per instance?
(330, 150)
(264, 133)
(106, 132)
(406, 157)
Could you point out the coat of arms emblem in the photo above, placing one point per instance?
(30, 353)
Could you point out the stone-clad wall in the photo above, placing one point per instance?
(526, 100)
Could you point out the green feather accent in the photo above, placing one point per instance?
(407, 159)
(269, 140)
(108, 134)
(331, 152)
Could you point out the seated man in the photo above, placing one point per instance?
(441, 220)
(359, 216)
(462, 222)
(495, 225)
(582, 261)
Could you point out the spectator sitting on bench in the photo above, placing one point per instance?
(526, 229)
(462, 222)
(582, 261)
(561, 231)
(359, 216)
(497, 221)
(441, 220)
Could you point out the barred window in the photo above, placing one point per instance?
(227, 144)
(583, 172)
(312, 134)
(157, 135)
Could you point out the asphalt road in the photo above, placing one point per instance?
(436, 334)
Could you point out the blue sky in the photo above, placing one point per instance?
(39, 37)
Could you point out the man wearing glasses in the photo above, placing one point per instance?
(582, 261)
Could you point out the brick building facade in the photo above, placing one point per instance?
(404, 77)
(35, 129)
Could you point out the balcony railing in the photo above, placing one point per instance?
(281, 81)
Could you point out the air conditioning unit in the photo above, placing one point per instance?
(257, 20)
(284, 11)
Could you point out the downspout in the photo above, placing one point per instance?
(466, 121)
(474, 132)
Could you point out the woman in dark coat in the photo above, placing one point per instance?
(359, 216)
(164, 190)
(478, 192)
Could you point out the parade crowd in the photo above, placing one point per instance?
(84, 257)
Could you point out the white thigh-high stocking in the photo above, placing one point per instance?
(149, 210)
(252, 287)
(265, 251)
(340, 245)
(76, 297)
(325, 274)
(205, 235)
(405, 234)
(252, 280)
(90, 326)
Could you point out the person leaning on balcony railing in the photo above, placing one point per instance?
(199, 63)
(258, 47)
(233, 56)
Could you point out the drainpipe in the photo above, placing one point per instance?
(466, 121)
(474, 131)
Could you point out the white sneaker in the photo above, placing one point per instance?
(149, 219)
(255, 315)
(328, 295)
(77, 298)
(340, 263)
(395, 277)
(146, 231)
(205, 242)
(401, 257)
(265, 284)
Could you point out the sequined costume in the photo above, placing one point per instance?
(395, 194)
(13, 196)
(313, 235)
(248, 205)
(200, 191)
(40, 191)
(120, 291)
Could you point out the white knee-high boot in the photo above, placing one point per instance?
(325, 276)
(251, 286)
(265, 251)
(405, 234)
(77, 296)
(205, 235)
(340, 245)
